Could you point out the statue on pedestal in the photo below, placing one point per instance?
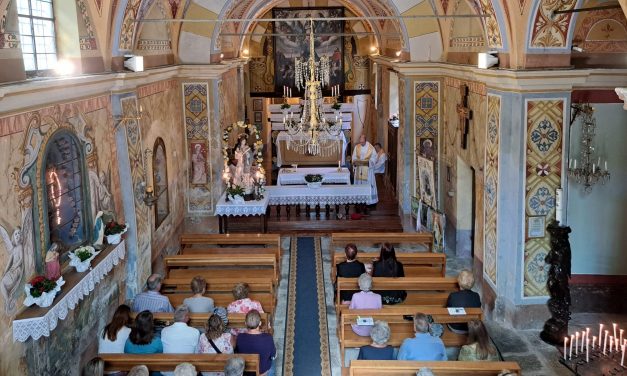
(243, 155)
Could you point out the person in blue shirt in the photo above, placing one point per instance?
(423, 346)
(142, 339)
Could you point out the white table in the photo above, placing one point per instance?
(330, 175)
(325, 195)
(224, 209)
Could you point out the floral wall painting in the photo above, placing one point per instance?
(427, 181)
(198, 153)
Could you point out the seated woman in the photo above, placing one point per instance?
(242, 303)
(198, 303)
(94, 367)
(142, 339)
(257, 342)
(365, 299)
(379, 348)
(351, 268)
(388, 266)
(479, 346)
(114, 335)
(463, 298)
(215, 340)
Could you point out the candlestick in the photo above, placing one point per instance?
(600, 333)
(611, 344)
(570, 352)
(565, 342)
(587, 351)
(622, 357)
(621, 335)
(594, 340)
(614, 325)
(576, 343)
(605, 341)
(583, 334)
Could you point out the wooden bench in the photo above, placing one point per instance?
(401, 328)
(168, 362)
(234, 265)
(259, 240)
(419, 264)
(339, 240)
(217, 286)
(233, 251)
(432, 291)
(409, 368)
(267, 300)
(199, 320)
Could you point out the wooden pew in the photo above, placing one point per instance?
(420, 290)
(217, 285)
(401, 328)
(167, 362)
(409, 368)
(260, 240)
(267, 300)
(419, 264)
(339, 240)
(221, 265)
(199, 320)
(222, 251)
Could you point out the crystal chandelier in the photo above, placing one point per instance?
(586, 171)
(313, 134)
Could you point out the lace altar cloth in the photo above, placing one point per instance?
(324, 195)
(254, 207)
(42, 326)
(330, 175)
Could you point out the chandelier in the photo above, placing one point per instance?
(586, 171)
(313, 133)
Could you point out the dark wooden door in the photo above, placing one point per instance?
(393, 155)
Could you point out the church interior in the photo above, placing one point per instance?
(251, 141)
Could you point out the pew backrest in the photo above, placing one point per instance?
(420, 290)
(238, 263)
(416, 264)
(199, 320)
(167, 362)
(409, 368)
(261, 240)
(376, 239)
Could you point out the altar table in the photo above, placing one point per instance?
(325, 195)
(330, 175)
(224, 209)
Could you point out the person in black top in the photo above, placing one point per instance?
(463, 298)
(388, 266)
(379, 348)
(351, 268)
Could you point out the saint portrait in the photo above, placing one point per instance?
(427, 181)
(198, 158)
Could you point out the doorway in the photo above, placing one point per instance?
(465, 210)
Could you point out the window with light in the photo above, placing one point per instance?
(37, 34)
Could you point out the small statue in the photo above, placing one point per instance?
(53, 268)
(98, 234)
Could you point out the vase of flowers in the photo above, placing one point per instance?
(114, 231)
(81, 258)
(235, 194)
(313, 180)
(41, 291)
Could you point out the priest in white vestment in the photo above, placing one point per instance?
(364, 159)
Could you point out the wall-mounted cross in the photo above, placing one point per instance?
(465, 115)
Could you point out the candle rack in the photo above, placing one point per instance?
(598, 365)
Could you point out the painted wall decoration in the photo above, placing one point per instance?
(550, 30)
(289, 47)
(127, 30)
(426, 124)
(602, 31)
(491, 25)
(196, 114)
(356, 67)
(544, 120)
(491, 187)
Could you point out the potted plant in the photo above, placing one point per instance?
(41, 291)
(313, 180)
(235, 193)
(81, 258)
(336, 106)
(114, 231)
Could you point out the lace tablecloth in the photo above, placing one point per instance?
(36, 327)
(330, 175)
(247, 208)
(325, 195)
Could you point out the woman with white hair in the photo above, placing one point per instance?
(379, 348)
(185, 369)
(465, 297)
(365, 299)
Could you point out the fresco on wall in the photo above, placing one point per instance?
(543, 176)
(491, 186)
(551, 30)
(196, 113)
(602, 31)
(426, 125)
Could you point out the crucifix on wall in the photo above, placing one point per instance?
(465, 115)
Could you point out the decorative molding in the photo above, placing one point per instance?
(622, 94)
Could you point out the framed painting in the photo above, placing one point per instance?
(198, 161)
(257, 104)
(415, 202)
(427, 181)
(291, 41)
(536, 226)
(258, 117)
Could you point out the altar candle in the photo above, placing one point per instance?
(606, 165)
(565, 342)
(558, 208)
(587, 333)
(600, 333)
(622, 357)
(583, 335)
(576, 342)
(575, 164)
(290, 92)
(611, 343)
(614, 325)
(339, 165)
(621, 335)
(570, 351)
(594, 340)
(570, 163)
(587, 351)
(599, 162)
(605, 341)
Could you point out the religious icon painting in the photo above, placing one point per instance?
(415, 201)
(438, 221)
(198, 159)
(257, 104)
(427, 181)
(427, 148)
(258, 117)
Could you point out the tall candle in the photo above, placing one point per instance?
(570, 351)
(606, 165)
(570, 163)
(576, 343)
(575, 164)
(621, 335)
(587, 350)
(594, 340)
(611, 344)
(339, 165)
(565, 342)
(600, 333)
(583, 335)
(587, 333)
(558, 206)
(614, 325)
(599, 162)
(622, 357)
(605, 341)
(290, 92)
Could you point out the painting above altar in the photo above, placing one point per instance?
(287, 155)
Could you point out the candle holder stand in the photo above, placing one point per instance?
(598, 365)
(559, 258)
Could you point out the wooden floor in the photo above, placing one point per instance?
(383, 218)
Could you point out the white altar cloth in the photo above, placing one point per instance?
(324, 195)
(284, 136)
(330, 175)
(254, 207)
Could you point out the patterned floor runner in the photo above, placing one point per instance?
(306, 338)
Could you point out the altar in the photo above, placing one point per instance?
(330, 175)
(288, 156)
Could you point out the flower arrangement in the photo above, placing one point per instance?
(336, 106)
(81, 258)
(84, 253)
(41, 290)
(313, 178)
(285, 106)
(234, 190)
(114, 231)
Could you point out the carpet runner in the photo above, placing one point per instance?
(306, 335)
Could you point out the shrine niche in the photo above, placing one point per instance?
(160, 179)
(242, 152)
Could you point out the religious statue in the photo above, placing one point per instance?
(199, 171)
(98, 234)
(53, 267)
(364, 158)
(14, 269)
(243, 155)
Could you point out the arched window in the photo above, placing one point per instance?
(160, 172)
(65, 191)
(39, 48)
